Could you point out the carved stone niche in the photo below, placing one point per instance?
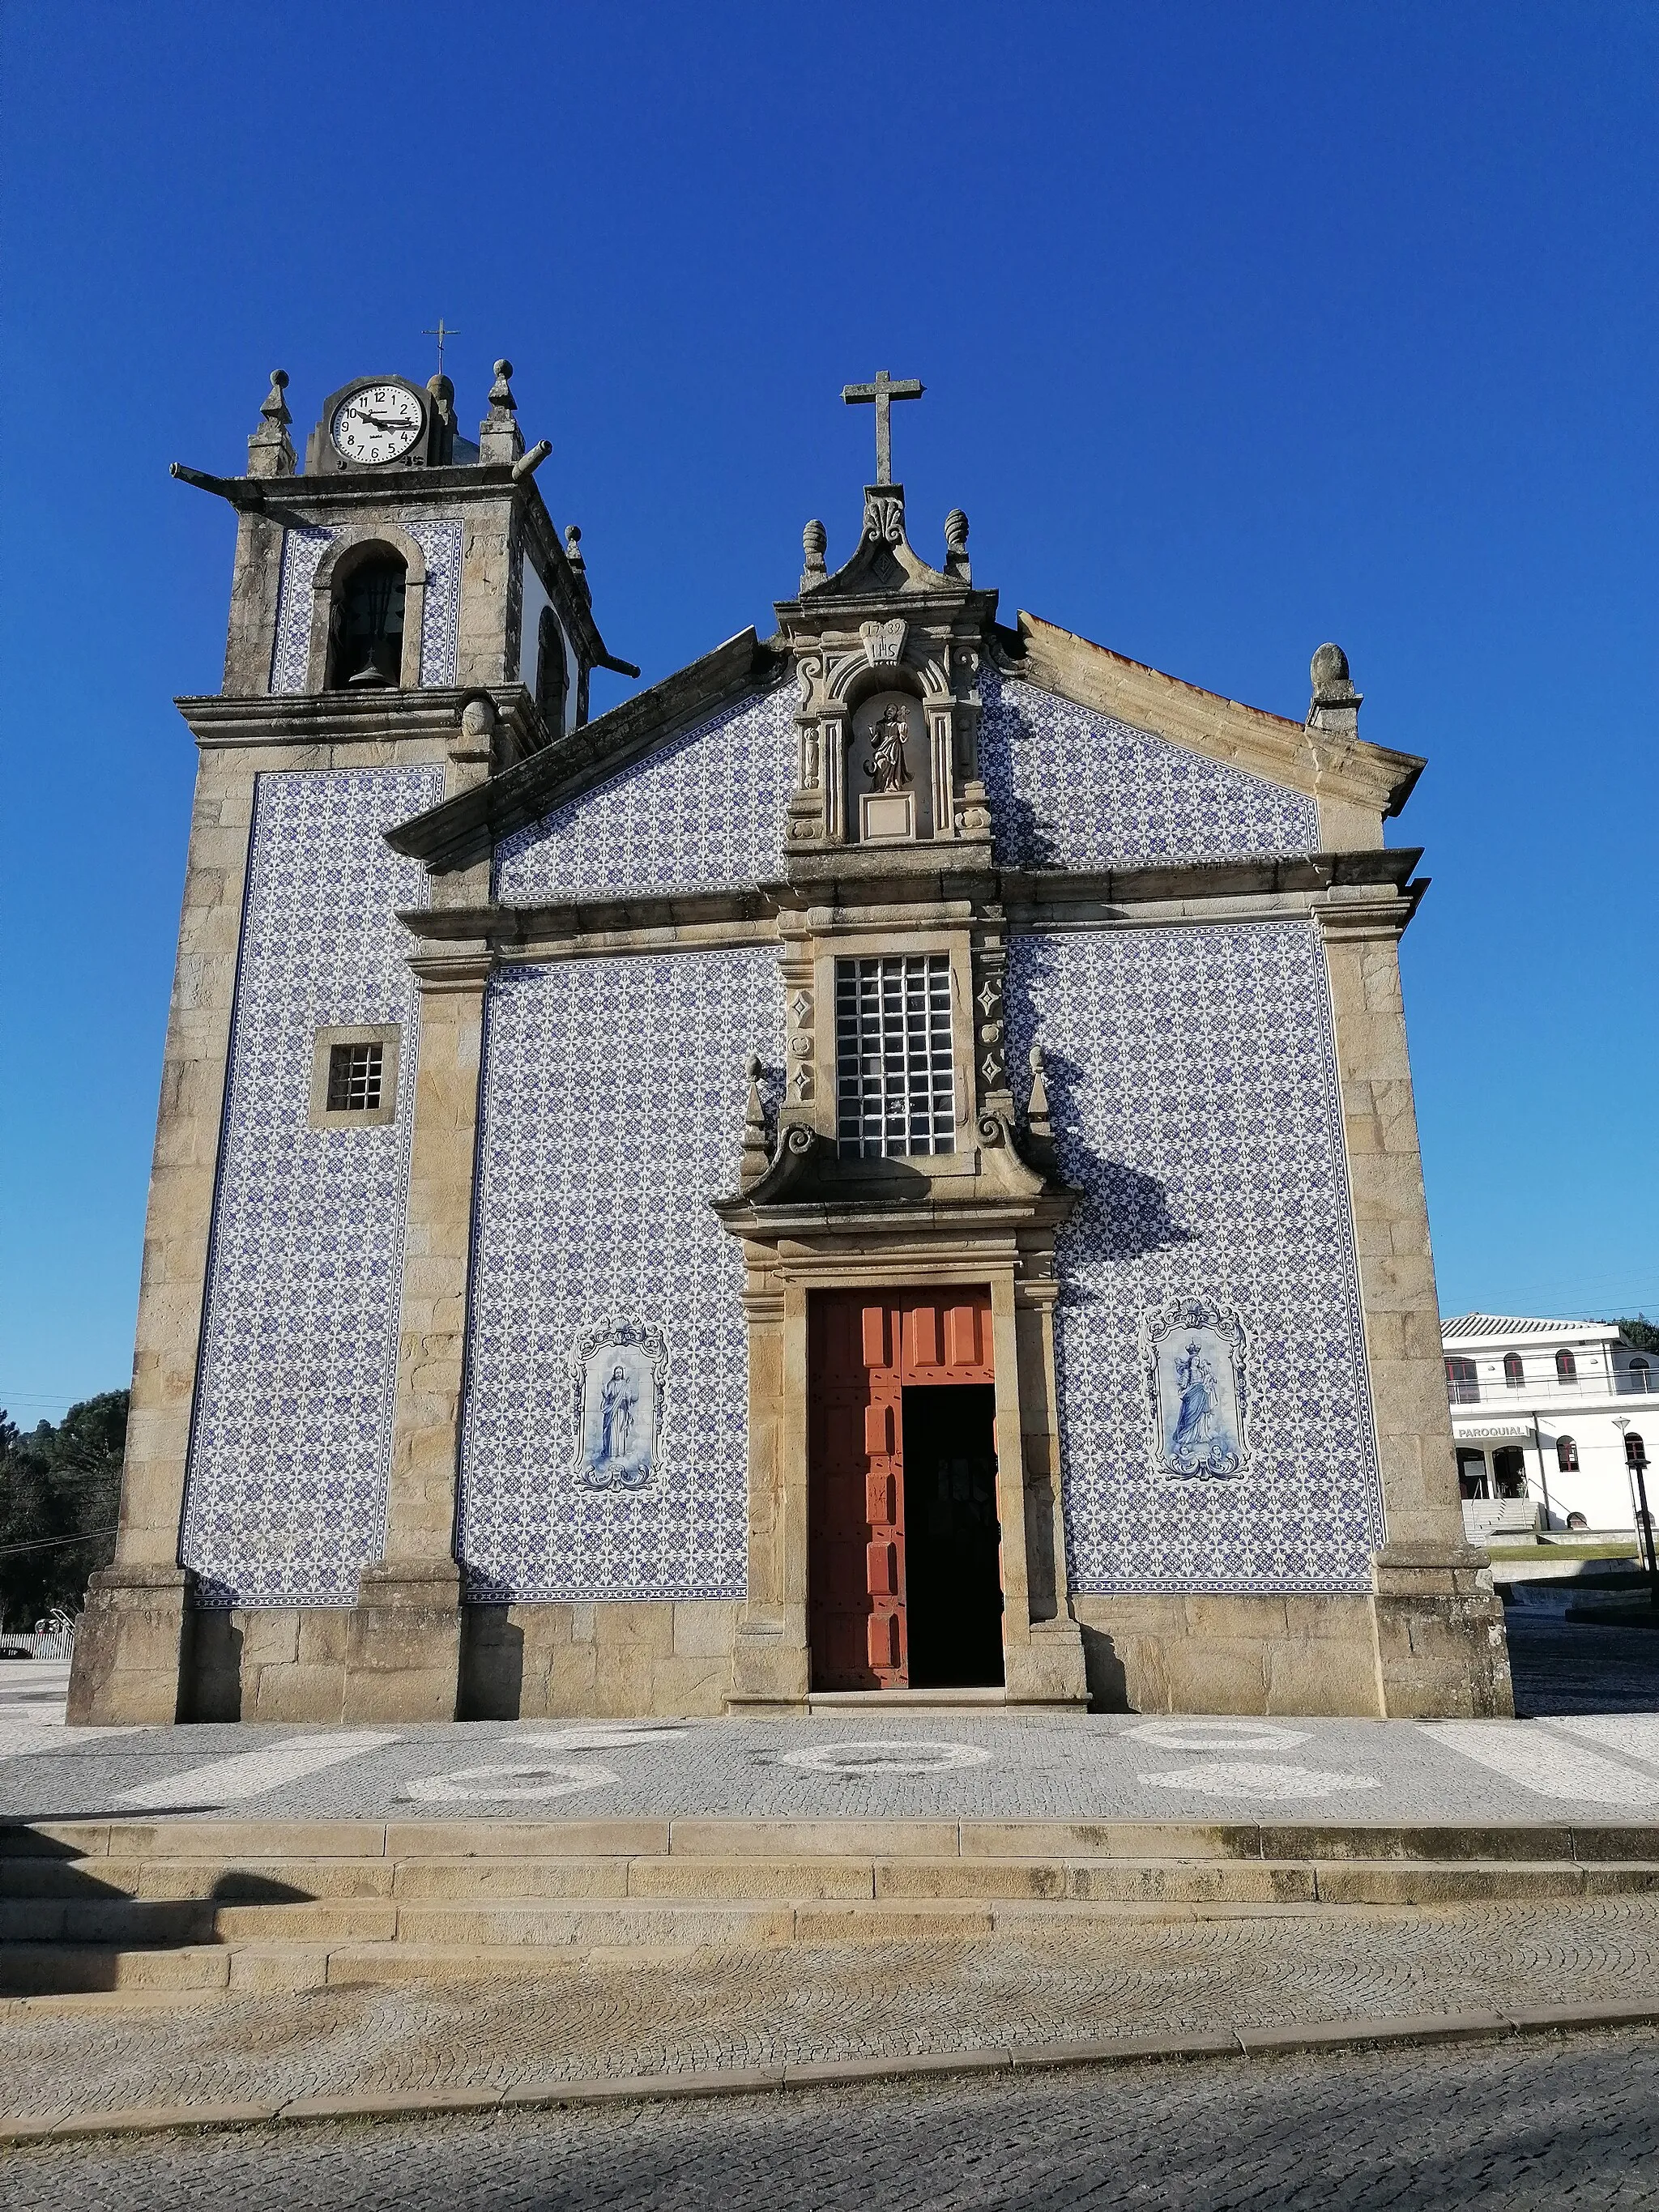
(890, 778)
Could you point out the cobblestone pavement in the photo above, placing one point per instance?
(1563, 1667)
(1596, 1755)
(1520, 2126)
(719, 2010)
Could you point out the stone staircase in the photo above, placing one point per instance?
(248, 1905)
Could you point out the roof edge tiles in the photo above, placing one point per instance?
(1476, 1325)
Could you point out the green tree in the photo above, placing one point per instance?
(60, 1491)
(1642, 1333)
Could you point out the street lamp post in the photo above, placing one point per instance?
(1636, 1459)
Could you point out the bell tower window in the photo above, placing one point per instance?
(366, 642)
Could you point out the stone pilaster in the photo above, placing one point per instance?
(133, 1650)
(1439, 1626)
(769, 1658)
(404, 1650)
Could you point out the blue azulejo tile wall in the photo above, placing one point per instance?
(1193, 1077)
(702, 812)
(1072, 788)
(613, 1104)
(288, 1447)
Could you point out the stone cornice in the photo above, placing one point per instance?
(1270, 745)
(1358, 892)
(333, 499)
(347, 718)
(466, 828)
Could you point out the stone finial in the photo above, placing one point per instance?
(1335, 704)
(474, 740)
(814, 540)
(1039, 1121)
(500, 438)
(755, 1158)
(572, 554)
(955, 545)
(270, 450)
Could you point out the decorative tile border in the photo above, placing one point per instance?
(440, 626)
(286, 1496)
(303, 546)
(613, 1101)
(1072, 788)
(1192, 1073)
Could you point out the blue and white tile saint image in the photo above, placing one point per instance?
(618, 1372)
(1195, 1375)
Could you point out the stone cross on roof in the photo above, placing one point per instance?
(883, 392)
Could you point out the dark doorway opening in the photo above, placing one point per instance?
(952, 1540)
(1508, 1468)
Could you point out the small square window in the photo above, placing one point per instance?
(354, 1078)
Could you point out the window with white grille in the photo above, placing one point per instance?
(894, 1077)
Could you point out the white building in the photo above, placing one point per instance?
(1535, 1409)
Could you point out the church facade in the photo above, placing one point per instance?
(883, 1164)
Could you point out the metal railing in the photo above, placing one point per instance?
(1498, 1390)
(54, 1639)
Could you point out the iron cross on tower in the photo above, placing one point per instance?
(442, 332)
(883, 392)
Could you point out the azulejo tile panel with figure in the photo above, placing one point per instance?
(1073, 788)
(1215, 1422)
(287, 1477)
(705, 812)
(604, 1448)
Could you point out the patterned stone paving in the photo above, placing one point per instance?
(897, 1763)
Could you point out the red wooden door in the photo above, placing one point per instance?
(863, 1350)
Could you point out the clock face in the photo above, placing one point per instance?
(378, 423)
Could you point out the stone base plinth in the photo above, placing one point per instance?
(403, 1659)
(1236, 1654)
(130, 1648)
(1049, 1668)
(1441, 1651)
(770, 1666)
(1427, 1644)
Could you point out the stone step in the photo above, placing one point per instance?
(227, 1880)
(186, 1900)
(129, 1922)
(899, 1903)
(269, 1842)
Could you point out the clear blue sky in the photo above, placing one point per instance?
(1242, 326)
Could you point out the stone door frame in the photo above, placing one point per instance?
(1042, 1657)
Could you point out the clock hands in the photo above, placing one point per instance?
(380, 422)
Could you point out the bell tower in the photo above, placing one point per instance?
(407, 559)
(405, 621)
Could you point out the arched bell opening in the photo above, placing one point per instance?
(366, 612)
